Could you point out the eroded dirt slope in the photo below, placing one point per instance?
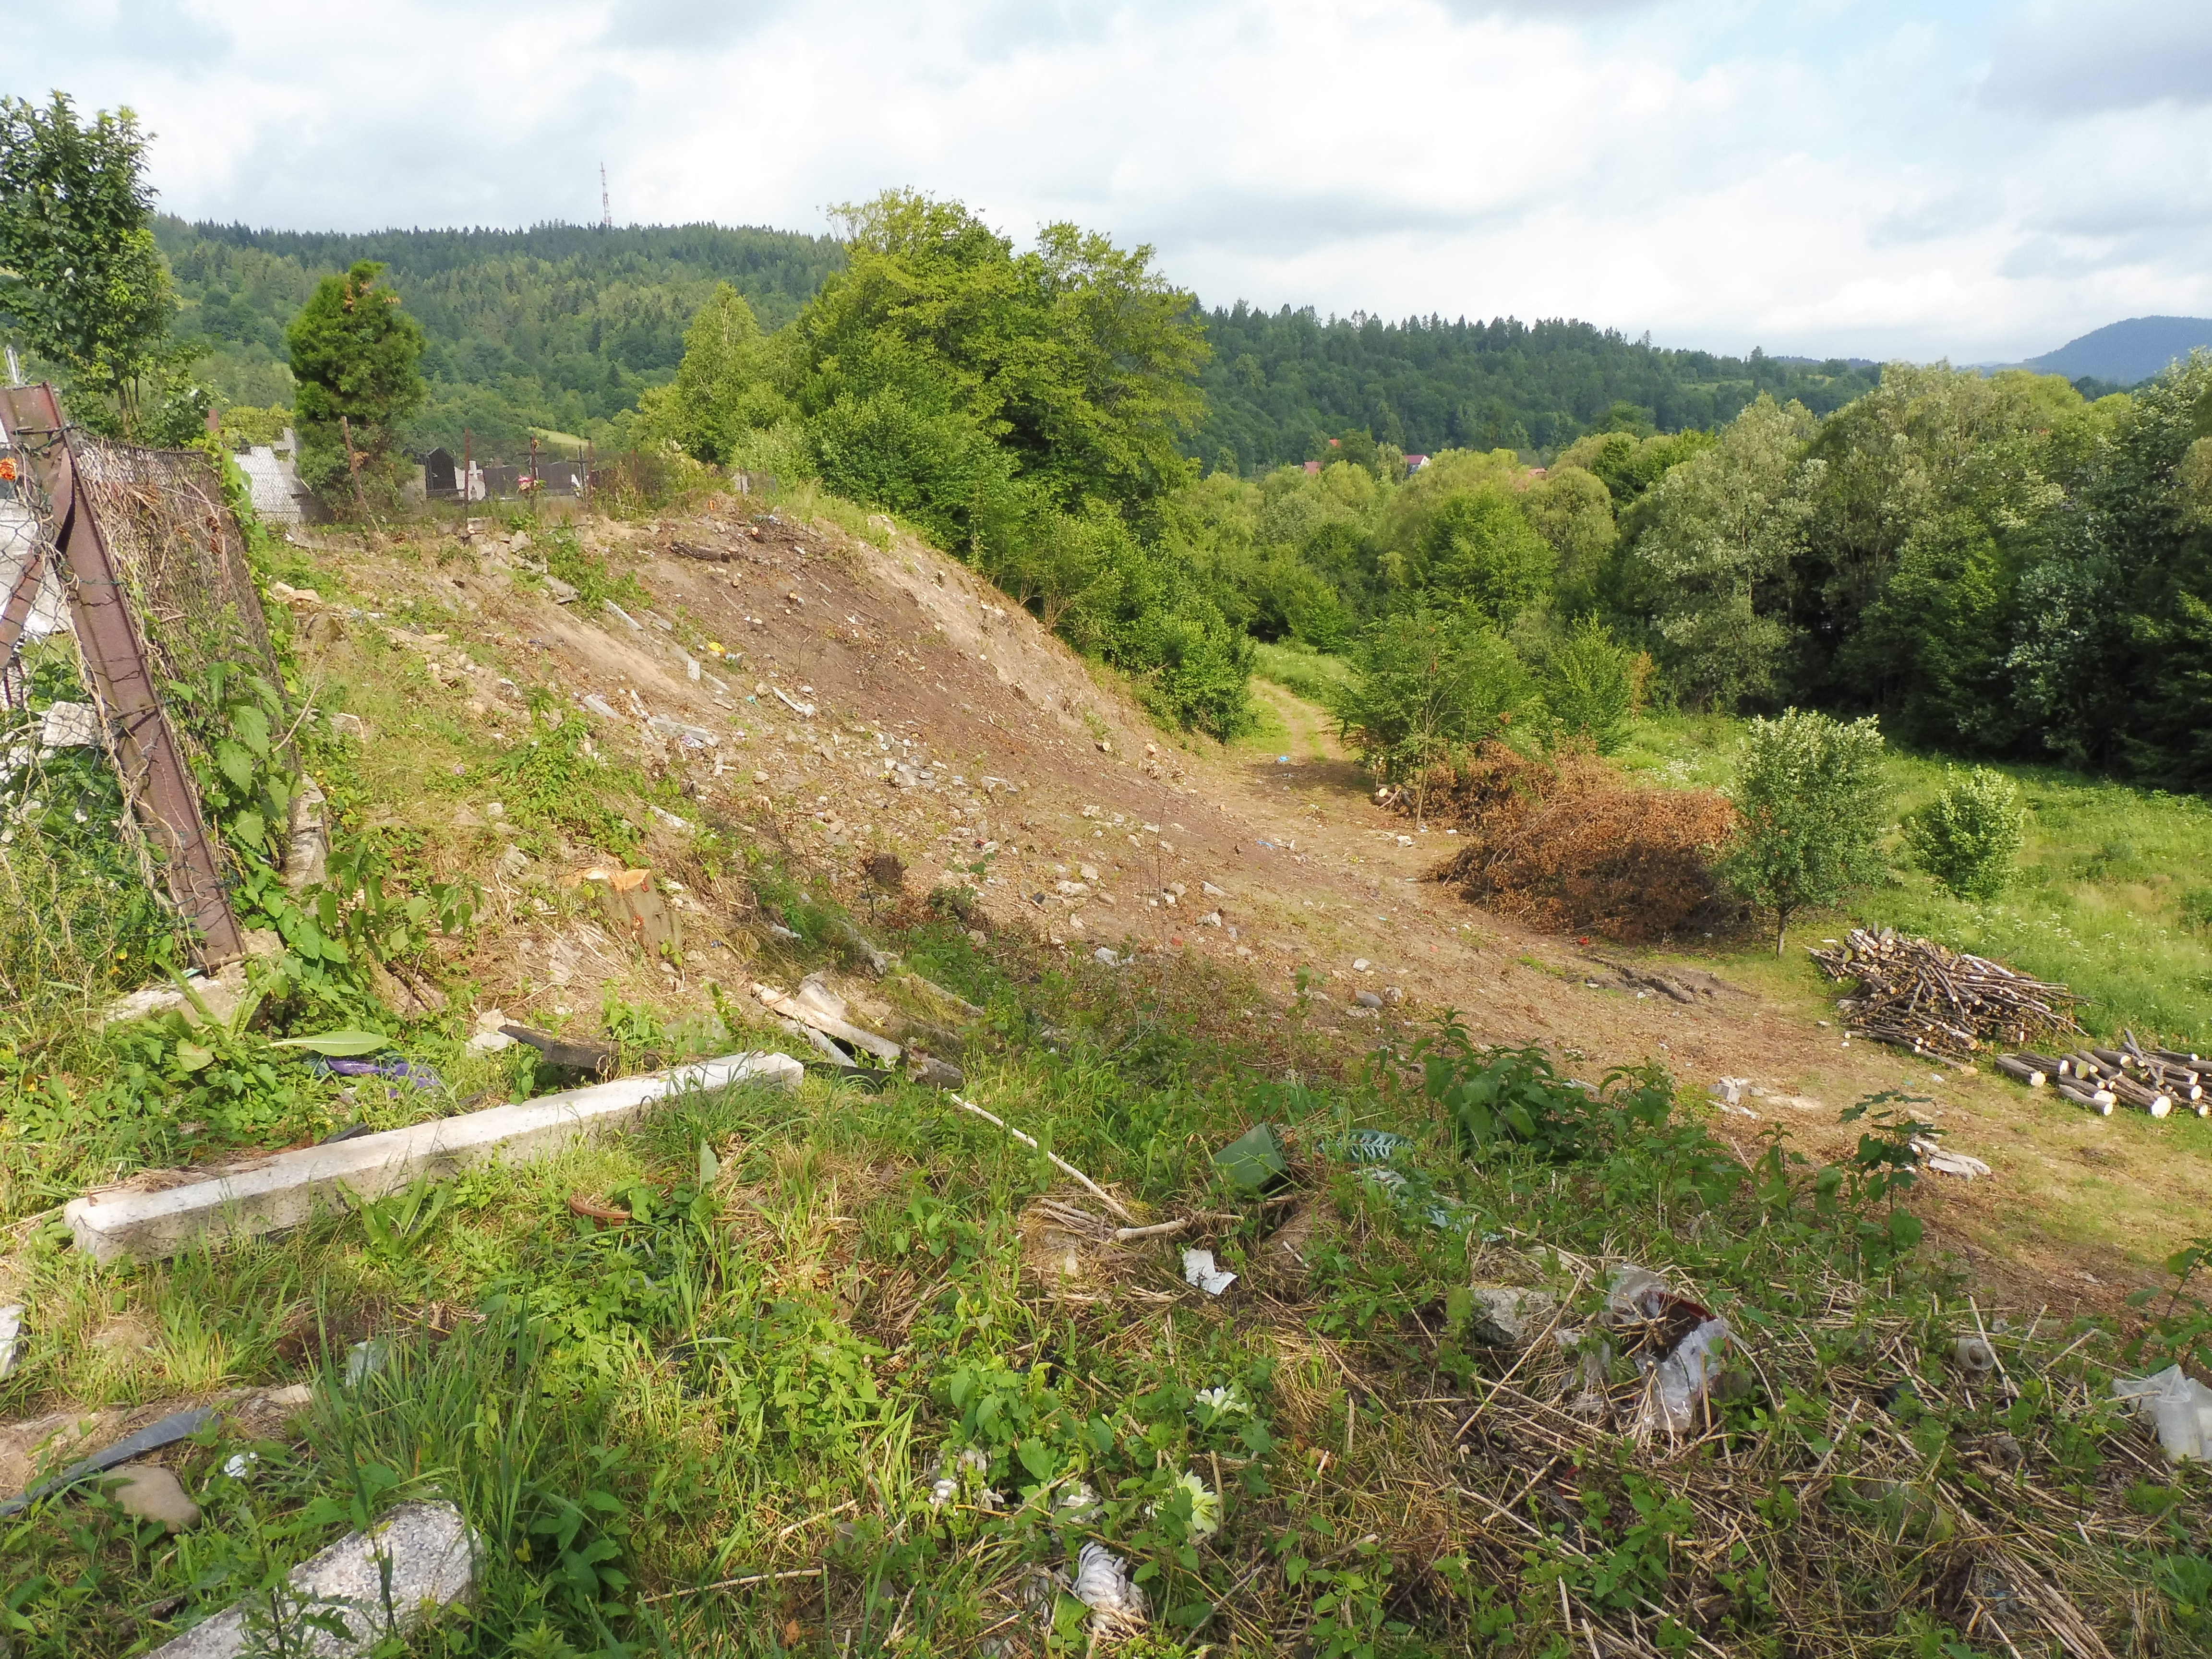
(845, 697)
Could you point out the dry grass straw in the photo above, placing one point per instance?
(1572, 844)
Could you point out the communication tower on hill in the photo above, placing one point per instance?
(606, 206)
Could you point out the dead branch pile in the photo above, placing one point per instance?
(2153, 1080)
(1573, 846)
(1915, 995)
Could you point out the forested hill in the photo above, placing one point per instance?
(1281, 384)
(561, 326)
(557, 327)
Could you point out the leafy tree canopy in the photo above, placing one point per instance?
(80, 279)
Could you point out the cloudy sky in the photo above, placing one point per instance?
(1976, 180)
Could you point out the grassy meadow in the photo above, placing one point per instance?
(2113, 896)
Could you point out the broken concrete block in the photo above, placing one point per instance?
(198, 998)
(307, 845)
(68, 725)
(1511, 1315)
(425, 1554)
(289, 1188)
(150, 1492)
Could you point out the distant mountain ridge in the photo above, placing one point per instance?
(2127, 352)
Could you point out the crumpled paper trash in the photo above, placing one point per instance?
(1198, 1269)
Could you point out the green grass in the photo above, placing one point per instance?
(2110, 897)
(1314, 675)
(848, 1300)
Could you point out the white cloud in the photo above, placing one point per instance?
(1832, 176)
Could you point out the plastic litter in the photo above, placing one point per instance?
(1253, 1161)
(421, 1077)
(177, 1427)
(1974, 1357)
(1680, 1380)
(1102, 1584)
(1198, 1269)
(2176, 1407)
(365, 1359)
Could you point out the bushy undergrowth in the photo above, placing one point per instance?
(830, 1345)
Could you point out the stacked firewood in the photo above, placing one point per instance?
(2153, 1080)
(1915, 995)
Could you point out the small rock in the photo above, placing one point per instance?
(512, 863)
(11, 1337)
(289, 1397)
(1088, 871)
(1405, 841)
(150, 1492)
(1211, 890)
(562, 592)
(349, 725)
(1361, 965)
(1511, 1315)
(1367, 999)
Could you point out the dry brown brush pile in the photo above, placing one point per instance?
(1572, 845)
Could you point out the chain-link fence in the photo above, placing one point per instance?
(133, 557)
(177, 551)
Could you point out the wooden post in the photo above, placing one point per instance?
(353, 464)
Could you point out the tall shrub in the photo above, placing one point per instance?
(1429, 684)
(1969, 837)
(1810, 794)
(355, 354)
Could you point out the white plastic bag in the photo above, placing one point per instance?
(2177, 1406)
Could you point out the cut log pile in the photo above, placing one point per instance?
(2153, 1080)
(1915, 995)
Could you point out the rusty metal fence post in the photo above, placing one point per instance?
(157, 787)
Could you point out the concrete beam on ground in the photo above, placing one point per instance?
(376, 1586)
(288, 1188)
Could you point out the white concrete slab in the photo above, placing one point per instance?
(430, 1555)
(286, 1190)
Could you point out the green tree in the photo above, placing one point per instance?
(1970, 834)
(1573, 510)
(1809, 790)
(1589, 689)
(1481, 551)
(727, 388)
(355, 354)
(939, 366)
(1428, 683)
(80, 279)
(1932, 645)
(1724, 526)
